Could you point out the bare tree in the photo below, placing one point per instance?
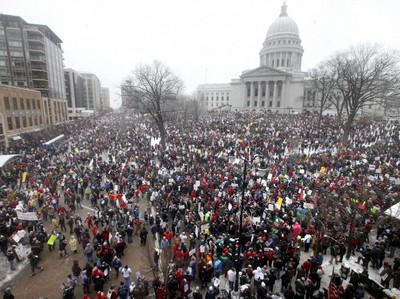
(322, 81)
(191, 108)
(153, 89)
(337, 102)
(364, 75)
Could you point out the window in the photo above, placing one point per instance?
(263, 104)
(14, 43)
(17, 124)
(7, 103)
(212, 98)
(216, 98)
(248, 90)
(278, 104)
(288, 62)
(263, 87)
(222, 98)
(9, 123)
(248, 103)
(16, 53)
(271, 89)
(282, 63)
(255, 103)
(277, 63)
(270, 104)
(15, 104)
(256, 90)
(280, 86)
(227, 98)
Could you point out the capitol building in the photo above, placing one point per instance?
(277, 85)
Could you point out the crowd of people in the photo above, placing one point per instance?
(230, 192)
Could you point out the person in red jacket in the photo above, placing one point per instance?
(112, 293)
(307, 267)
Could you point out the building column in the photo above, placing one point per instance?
(283, 100)
(275, 94)
(259, 94)
(252, 86)
(245, 94)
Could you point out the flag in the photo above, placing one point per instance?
(333, 290)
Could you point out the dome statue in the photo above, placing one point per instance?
(283, 24)
(282, 46)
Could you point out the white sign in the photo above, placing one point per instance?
(30, 216)
(204, 227)
(308, 205)
(256, 220)
(201, 214)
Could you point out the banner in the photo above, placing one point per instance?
(30, 216)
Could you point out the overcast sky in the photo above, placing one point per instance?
(202, 41)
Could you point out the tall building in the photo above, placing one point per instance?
(277, 85)
(75, 90)
(105, 97)
(92, 91)
(31, 57)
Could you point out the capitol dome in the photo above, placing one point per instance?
(282, 46)
(283, 24)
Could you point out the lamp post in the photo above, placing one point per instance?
(261, 172)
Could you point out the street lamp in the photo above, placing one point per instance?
(261, 171)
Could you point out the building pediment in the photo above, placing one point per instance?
(264, 71)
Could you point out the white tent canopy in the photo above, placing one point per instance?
(394, 211)
(4, 159)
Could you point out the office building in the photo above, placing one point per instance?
(31, 57)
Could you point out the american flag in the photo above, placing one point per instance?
(333, 290)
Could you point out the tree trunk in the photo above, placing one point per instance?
(163, 133)
(348, 127)
(319, 117)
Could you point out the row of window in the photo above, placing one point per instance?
(217, 99)
(293, 42)
(22, 113)
(282, 64)
(22, 104)
(270, 104)
(263, 90)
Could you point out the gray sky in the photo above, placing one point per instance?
(202, 41)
